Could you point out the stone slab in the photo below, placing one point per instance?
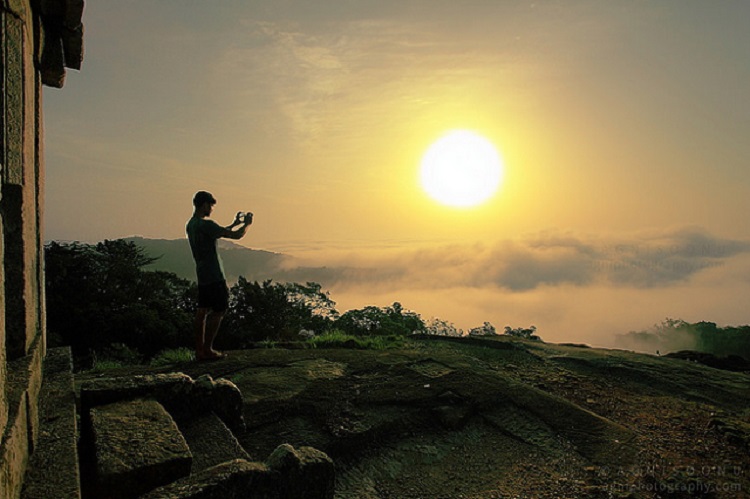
(210, 442)
(168, 389)
(53, 468)
(138, 447)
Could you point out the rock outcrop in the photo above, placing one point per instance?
(167, 435)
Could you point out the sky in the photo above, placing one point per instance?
(622, 126)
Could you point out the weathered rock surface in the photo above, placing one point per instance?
(177, 392)
(289, 473)
(222, 397)
(138, 447)
(496, 417)
(53, 468)
(226, 401)
(172, 390)
(238, 479)
(210, 441)
(307, 473)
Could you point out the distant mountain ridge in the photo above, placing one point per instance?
(173, 255)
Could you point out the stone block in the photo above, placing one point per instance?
(137, 447)
(222, 397)
(3, 365)
(52, 65)
(307, 473)
(227, 403)
(24, 381)
(238, 479)
(169, 389)
(52, 7)
(72, 42)
(210, 441)
(14, 449)
(73, 13)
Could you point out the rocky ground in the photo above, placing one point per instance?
(499, 418)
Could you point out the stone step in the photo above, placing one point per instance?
(53, 468)
(137, 447)
(210, 441)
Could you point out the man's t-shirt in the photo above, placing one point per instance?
(203, 235)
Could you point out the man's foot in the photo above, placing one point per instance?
(210, 355)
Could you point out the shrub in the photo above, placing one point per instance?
(381, 321)
(520, 332)
(340, 339)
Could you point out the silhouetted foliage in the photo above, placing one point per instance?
(99, 296)
(440, 327)
(522, 332)
(384, 321)
(274, 311)
(485, 329)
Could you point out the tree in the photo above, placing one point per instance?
(99, 295)
(319, 302)
(520, 332)
(383, 321)
(276, 311)
(440, 327)
(485, 329)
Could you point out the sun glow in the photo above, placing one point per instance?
(461, 169)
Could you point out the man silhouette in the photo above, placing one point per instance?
(213, 293)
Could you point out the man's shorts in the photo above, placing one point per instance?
(214, 296)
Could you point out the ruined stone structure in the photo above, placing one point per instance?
(38, 40)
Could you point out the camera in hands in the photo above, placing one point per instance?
(245, 217)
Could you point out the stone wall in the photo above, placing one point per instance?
(38, 39)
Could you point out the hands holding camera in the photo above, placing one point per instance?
(243, 218)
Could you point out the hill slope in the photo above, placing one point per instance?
(174, 256)
(499, 417)
(255, 265)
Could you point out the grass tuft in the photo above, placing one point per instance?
(173, 356)
(340, 339)
(104, 365)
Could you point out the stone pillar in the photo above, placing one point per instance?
(41, 309)
(19, 189)
(38, 39)
(3, 363)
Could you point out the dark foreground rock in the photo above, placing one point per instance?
(138, 447)
(167, 435)
(478, 420)
(231, 480)
(287, 474)
(308, 473)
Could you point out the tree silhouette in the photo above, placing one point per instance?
(99, 296)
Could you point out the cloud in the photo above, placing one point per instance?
(545, 260)
(342, 79)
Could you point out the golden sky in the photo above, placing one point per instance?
(622, 124)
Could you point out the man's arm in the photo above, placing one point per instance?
(243, 223)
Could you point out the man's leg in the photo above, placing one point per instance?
(199, 326)
(212, 329)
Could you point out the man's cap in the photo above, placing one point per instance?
(203, 197)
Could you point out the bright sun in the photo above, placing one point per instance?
(461, 169)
